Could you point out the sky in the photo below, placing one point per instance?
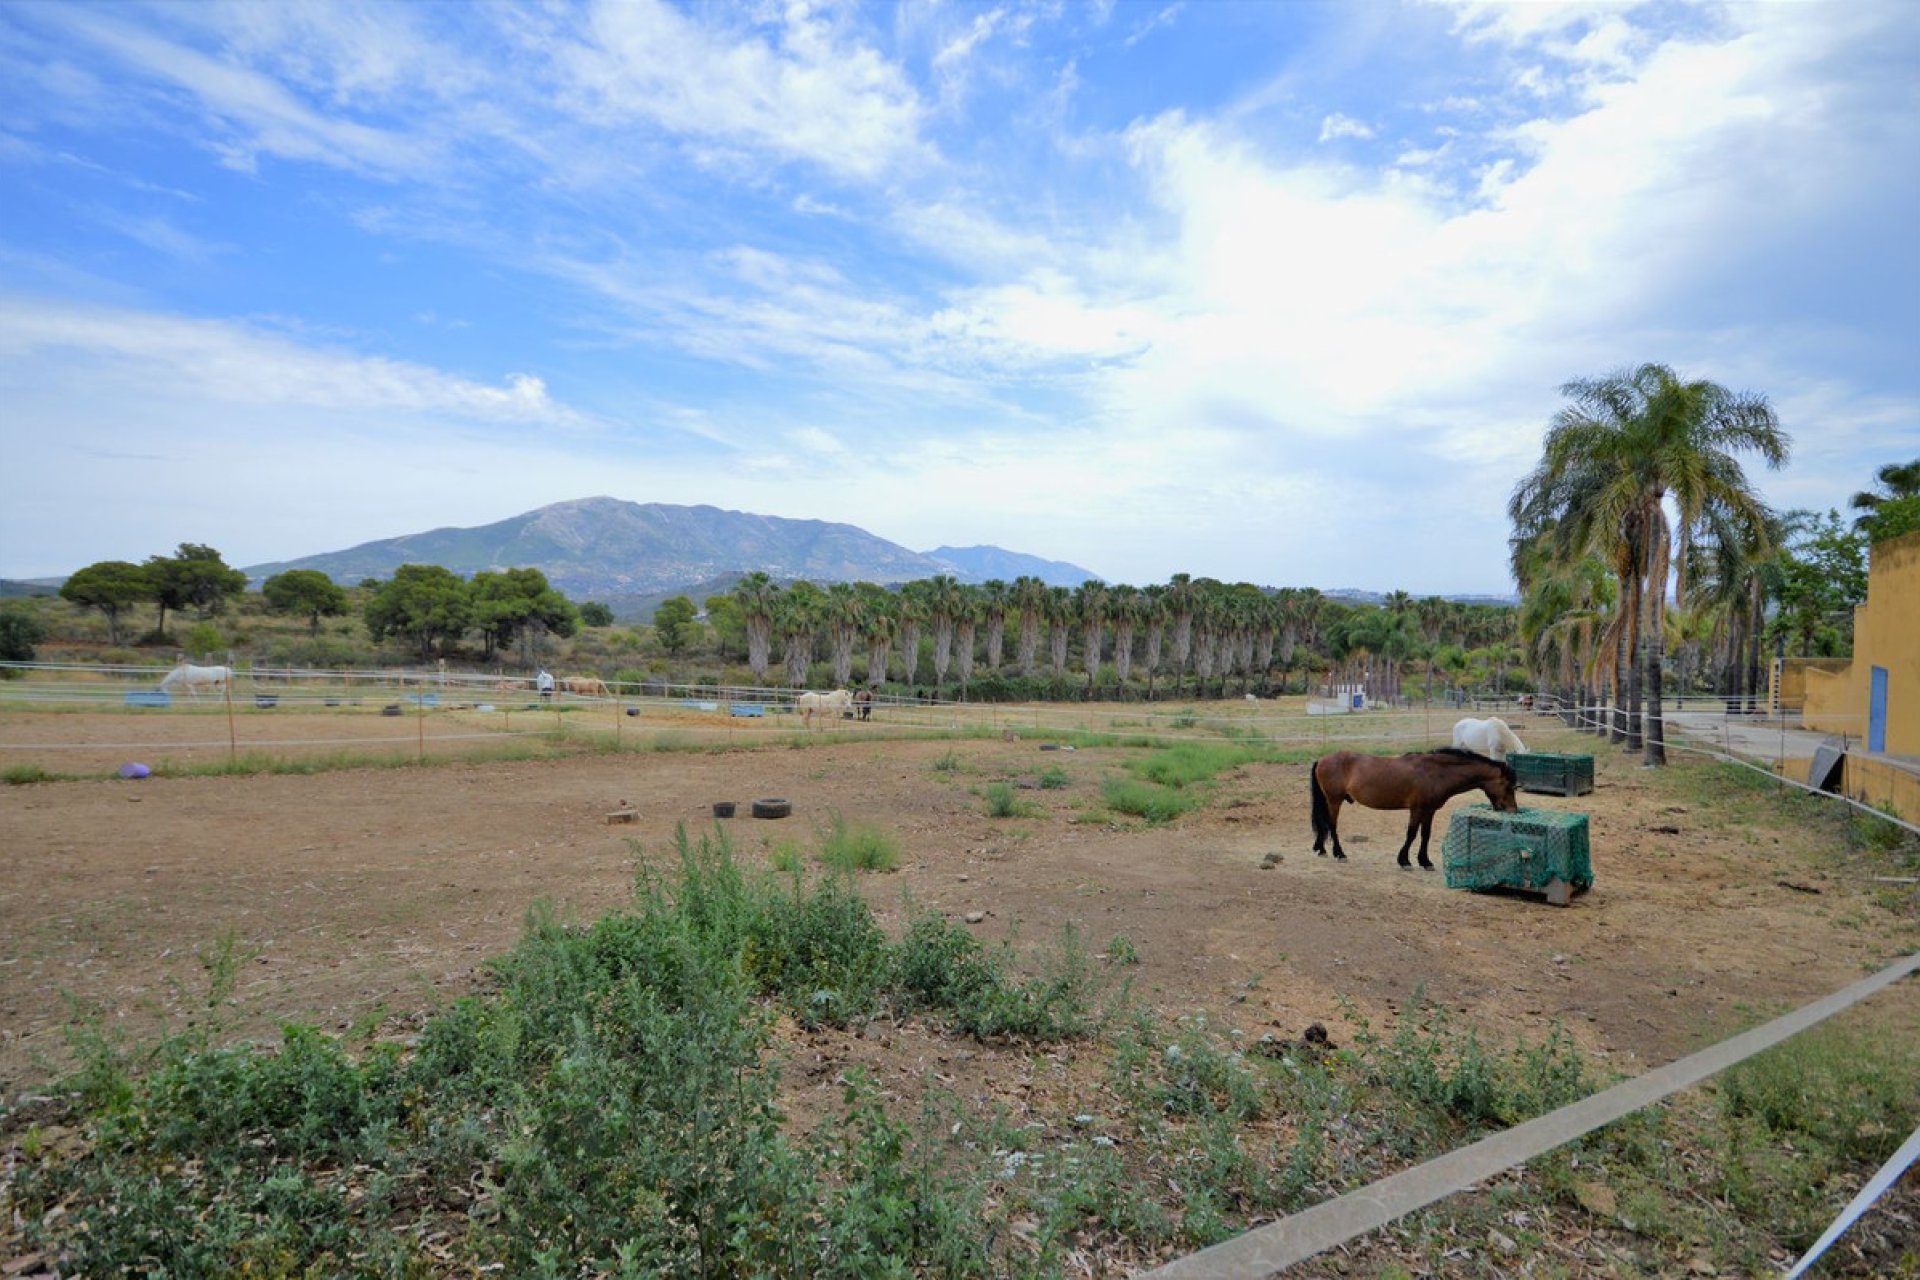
(1282, 293)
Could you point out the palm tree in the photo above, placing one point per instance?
(878, 625)
(1090, 605)
(995, 597)
(1153, 614)
(1123, 608)
(1896, 480)
(943, 606)
(798, 618)
(1180, 602)
(843, 610)
(757, 595)
(1030, 598)
(1629, 445)
(967, 611)
(913, 616)
(1059, 615)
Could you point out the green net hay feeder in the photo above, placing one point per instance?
(1551, 774)
(1540, 851)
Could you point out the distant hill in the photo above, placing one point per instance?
(627, 553)
(979, 564)
(1352, 595)
(31, 587)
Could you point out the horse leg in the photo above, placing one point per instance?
(1413, 825)
(1426, 833)
(1333, 827)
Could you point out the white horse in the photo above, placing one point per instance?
(837, 703)
(193, 679)
(1490, 737)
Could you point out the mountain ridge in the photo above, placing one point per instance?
(617, 551)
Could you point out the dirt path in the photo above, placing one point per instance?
(384, 888)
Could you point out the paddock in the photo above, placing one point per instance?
(379, 888)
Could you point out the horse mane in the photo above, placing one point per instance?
(1461, 753)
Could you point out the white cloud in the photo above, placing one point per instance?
(219, 362)
(800, 88)
(256, 112)
(1339, 126)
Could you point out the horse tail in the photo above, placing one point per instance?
(1322, 819)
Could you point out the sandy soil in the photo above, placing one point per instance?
(375, 890)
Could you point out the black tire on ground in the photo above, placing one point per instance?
(772, 808)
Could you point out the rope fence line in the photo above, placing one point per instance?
(1332, 1223)
(1727, 757)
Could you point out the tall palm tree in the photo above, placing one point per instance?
(843, 611)
(995, 599)
(1030, 598)
(1123, 609)
(1059, 614)
(1181, 596)
(757, 594)
(1630, 447)
(1090, 606)
(1152, 609)
(798, 617)
(913, 617)
(967, 611)
(878, 625)
(943, 606)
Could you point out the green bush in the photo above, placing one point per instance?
(1147, 800)
(1002, 802)
(848, 846)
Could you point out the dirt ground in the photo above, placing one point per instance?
(375, 892)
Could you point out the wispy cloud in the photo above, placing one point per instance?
(231, 364)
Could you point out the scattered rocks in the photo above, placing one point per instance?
(1269, 862)
(975, 917)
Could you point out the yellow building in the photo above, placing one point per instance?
(1875, 698)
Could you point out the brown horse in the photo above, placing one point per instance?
(1421, 781)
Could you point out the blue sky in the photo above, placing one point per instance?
(1275, 292)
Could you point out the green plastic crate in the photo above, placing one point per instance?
(1554, 775)
(1538, 850)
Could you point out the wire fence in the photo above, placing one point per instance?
(297, 710)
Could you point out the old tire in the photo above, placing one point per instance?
(772, 808)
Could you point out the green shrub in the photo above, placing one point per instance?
(857, 846)
(1002, 802)
(1054, 778)
(19, 775)
(1156, 804)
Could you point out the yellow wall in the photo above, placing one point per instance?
(1876, 782)
(1789, 679)
(1886, 633)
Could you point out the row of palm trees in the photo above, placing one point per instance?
(1639, 506)
(1187, 628)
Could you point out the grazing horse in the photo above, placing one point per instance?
(1421, 781)
(836, 703)
(193, 679)
(1488, 737)
(585, 686)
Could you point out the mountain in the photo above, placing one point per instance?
(978, 564)
(617, 551)
(1353, 595)
(30, 586)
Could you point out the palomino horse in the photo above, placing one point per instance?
(584, 686)
(193, 679)
(1421, 781)
(839, 702)
(1488, 737)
